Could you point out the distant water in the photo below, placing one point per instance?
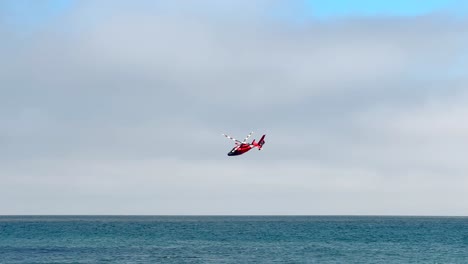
(228, 239)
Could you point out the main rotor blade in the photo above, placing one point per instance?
(231, 138)
(245, 139)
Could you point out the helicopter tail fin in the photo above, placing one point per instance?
(261, 142)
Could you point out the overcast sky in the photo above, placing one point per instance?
(117, 107)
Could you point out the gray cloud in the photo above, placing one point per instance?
(118, 109)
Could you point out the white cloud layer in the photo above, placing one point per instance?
(118, 109)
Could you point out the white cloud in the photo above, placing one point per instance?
(209, 187)
(119, 109)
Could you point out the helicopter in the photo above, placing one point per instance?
(242, 146)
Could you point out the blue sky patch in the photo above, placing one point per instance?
(326, 9)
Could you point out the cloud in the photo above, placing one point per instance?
(114, 99)
(186, 187)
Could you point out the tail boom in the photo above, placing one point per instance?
(260, 143)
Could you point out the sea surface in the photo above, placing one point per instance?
(233, 239)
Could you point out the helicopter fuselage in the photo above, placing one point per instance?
(241, 149)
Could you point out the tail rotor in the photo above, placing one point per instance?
(261, 142)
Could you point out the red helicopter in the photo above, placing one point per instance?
(242, 147)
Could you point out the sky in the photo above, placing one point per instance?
(117, 107)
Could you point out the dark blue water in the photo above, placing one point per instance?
(227, 239)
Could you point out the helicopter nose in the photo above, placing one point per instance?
(232, 153)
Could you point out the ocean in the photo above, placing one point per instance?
(233, 239)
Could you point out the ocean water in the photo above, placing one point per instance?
(233, 239)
